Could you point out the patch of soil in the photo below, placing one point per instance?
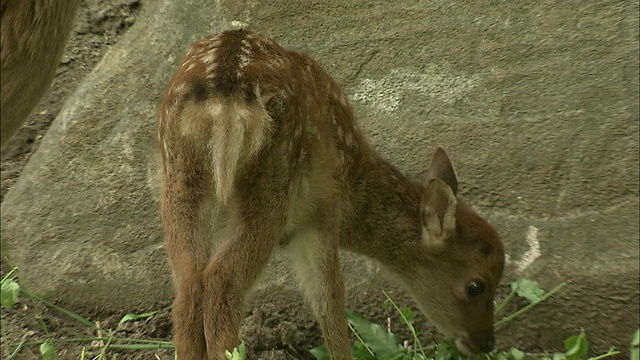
(26, 321)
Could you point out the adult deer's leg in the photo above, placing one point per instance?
(188, 250)
(315, 256)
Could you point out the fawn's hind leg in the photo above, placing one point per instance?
(188, 250)
(256, 219)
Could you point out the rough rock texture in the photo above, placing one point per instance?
(536, 102)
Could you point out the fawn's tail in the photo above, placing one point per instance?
(240, 130)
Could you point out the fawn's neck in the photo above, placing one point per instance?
(384, 218)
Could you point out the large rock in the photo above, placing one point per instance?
(537, 104)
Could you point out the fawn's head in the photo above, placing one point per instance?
(457, 265)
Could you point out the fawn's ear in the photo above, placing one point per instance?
(438, 207)
(441, 168)
(438, 210)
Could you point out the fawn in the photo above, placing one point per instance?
(33, 37)
(260, 149)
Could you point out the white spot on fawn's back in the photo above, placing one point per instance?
(209, 58)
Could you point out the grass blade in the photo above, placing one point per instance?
(529, 306)
(71, 314)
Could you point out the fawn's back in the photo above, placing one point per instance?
(260, 148)
(239, 97)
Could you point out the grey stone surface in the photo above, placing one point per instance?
(536, 102)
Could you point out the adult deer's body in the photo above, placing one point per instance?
(260, 149)
(33, 37)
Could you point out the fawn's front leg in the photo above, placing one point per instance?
(315, 256)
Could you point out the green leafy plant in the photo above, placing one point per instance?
(376, 342)
(47, 350)
(10, 290)
(237, 354)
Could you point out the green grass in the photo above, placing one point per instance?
(374, 342)
(12, 287)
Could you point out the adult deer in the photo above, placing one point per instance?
(260, 149)
(33, 36)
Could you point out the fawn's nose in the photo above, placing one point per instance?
(483, 342)
(477, 343)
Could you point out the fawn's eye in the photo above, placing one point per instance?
(475, 288)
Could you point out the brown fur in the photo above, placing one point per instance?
(260, 149)
(33, 37)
